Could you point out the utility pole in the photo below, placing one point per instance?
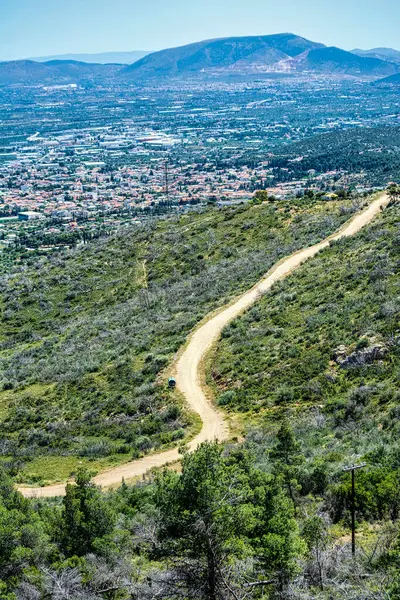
(353, 468)
(166, 182)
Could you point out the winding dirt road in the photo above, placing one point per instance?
(188, 369)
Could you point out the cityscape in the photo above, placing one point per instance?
(99, 160)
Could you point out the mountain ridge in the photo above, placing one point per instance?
(388, 54)
(124, 58)
(248, 55)
(284, 52)
(56, 71)
(222, 53)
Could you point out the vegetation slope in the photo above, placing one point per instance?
(85, 335)
(373, 153)
(267, 519)
(323, 350)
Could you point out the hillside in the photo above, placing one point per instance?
(389, 54)
(54, 71)
(17, 71)
(315, 365)
(323, 348)
(85, 336)
(121, 58)
(274, 53)
(334, 60)
(81, 70)
(372, 153)
(391, 80)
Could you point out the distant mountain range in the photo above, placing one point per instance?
(103, 58)
(388, 54)
(256, 55)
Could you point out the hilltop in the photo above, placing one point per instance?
(389, 54)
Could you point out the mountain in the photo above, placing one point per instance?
(257, 53)
(383, 53)
(333, 60)
(122, 58)
(55, 71)
(391, 80)
(282, 53)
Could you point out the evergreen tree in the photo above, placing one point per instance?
(287, 457)
(86, 516)
(220, 515)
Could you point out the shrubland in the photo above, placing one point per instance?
(267, 518)
(85, 334)
(313, 371)
(370, 152)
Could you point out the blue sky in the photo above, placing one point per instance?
(44, 27)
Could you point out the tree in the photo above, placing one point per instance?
(260, 196)
(201, 525)
(315, 534)
(86, 516)
(287, 457)
(224, 525)
(278, 546)
(23, 538)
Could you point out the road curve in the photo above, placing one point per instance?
(188, 365)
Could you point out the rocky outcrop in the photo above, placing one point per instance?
(359, 358)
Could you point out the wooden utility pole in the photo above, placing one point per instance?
(353, 468)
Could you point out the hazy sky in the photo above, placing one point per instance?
(45, 27)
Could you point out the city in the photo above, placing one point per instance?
(99, 160)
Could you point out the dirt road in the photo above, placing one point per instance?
(188, 365)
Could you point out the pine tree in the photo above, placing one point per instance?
(86, 516)
(287, 458)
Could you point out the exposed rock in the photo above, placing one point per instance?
(375, 352)
(340, 353)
